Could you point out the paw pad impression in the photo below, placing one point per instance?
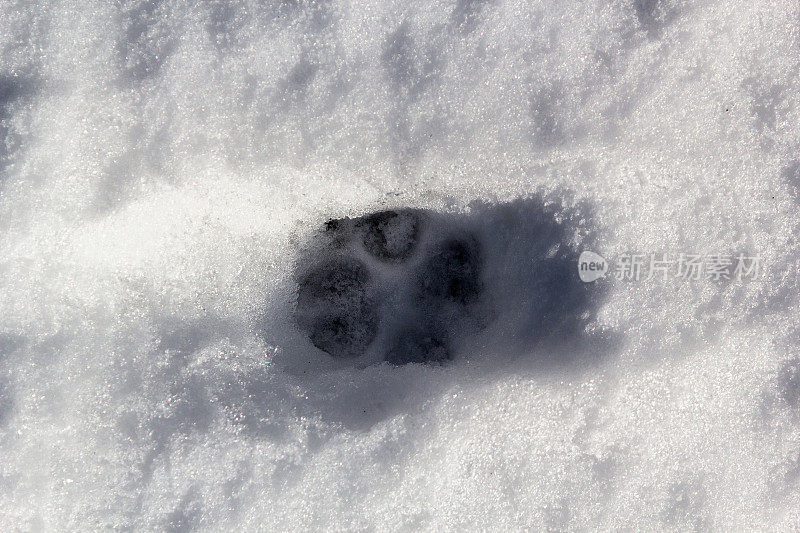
(391, 286)
(418, 286)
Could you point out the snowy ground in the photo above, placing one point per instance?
(163, 164)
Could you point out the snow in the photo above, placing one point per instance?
(165, 168)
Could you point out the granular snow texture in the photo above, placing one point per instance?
(166, 168)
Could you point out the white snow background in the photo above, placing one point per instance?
(160, 161)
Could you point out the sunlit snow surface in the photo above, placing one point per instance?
(163, 169)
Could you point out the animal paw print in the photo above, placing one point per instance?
(391, 285)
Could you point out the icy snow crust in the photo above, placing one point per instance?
(166, 169)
